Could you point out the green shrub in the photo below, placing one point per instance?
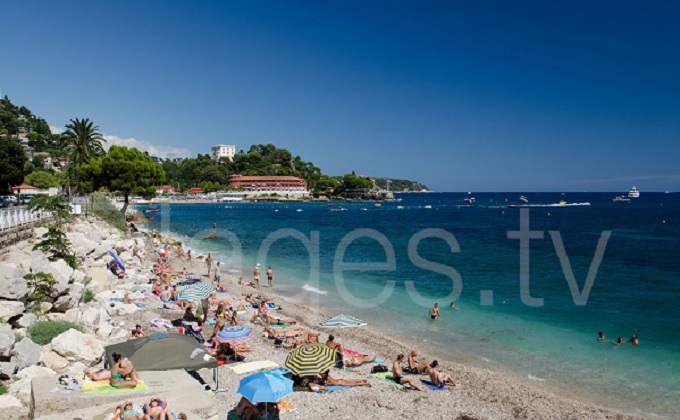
(43, 332)
(3, 389)
(103, 208)
(88, 296)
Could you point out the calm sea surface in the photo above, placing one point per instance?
(636, 290)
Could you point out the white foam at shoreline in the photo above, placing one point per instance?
(535, 378)
(314, 289)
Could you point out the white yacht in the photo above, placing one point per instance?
(633, 193)
(621, 199)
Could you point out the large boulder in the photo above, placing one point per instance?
(78, 347)
(6, 340)
(11, 408)
(26, 320)
(104, 248)
(52, 360)
(78, 277)
(12, 284)
(26, 353)
(69, 300)
(10, 309)
(35, 372)
(21, 389)
(89, 318)
(81, 244)
(8, 368)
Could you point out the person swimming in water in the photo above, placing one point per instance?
(600, 336)
(634, 340)
(434, 312)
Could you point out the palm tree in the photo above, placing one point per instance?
(82, 141)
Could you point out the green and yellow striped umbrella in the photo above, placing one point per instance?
(310, 359)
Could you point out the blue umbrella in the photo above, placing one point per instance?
(117, 259)
(265, 387)
(234, 335)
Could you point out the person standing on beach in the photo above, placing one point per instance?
(208, 262)
(434, 312)
(217, 272)
(256, 275)
(270, 277)
(189, 255)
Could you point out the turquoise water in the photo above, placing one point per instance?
(636, 289)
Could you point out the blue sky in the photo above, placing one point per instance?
(463, 96)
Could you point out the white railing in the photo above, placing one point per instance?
(17, 217)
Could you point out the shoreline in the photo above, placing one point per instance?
(483, 382)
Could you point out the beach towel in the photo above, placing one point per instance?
(96, 387)
(388, 377)
(250, 367)
(432, 386)
(275, 326)
(333, 388)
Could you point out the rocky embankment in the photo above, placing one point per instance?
(21, 359)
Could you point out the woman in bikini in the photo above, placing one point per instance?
(128, 412)
(121, 375)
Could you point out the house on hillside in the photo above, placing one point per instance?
(195, 191)
(165, 189)
(25, 189)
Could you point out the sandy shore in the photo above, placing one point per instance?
(483, 392)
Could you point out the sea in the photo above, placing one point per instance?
(531, 306)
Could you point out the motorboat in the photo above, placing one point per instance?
(621, 199)
(633, 193)
(523, 199)
(153, 210)
(428, 206)
(469, 200)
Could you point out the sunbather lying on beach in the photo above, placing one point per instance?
(398, 375)
(439, 378)
(155, 409)
(327, 379)
(356, 360)
(121, 375)
(218, 349)
(127, 411)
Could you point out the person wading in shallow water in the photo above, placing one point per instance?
(270, 277)
(256, 275)
(434, 312)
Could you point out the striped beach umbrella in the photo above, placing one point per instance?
(195, 292)
(234, 335)
(310, 359)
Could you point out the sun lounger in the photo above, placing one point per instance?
(250, 367)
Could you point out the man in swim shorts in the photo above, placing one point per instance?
(434, 312)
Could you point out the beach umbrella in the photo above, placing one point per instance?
(234, 335)
(310, 359)
(342, 321)
(265, 387)
(117, 259)
(196, 292)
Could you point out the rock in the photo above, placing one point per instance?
(22, 390)
(8, 368)
(122, 309)
(104, 331)
(10, 309)
(59, 269)
(11, 408)
(78, 277)
(78, 347)
(35, 372)
(26, 353)
(39, 232)
(26, 320)
(52, 360)
(6, 340)
(69, 300)
(55, 316)
(90, 318)
(73, 315)
(75, 369)
(118, 334)
(12, 284)
(44, 307)
(103, 249)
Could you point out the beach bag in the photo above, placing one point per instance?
(379, 369)
(278, 343)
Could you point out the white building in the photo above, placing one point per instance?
(223, 150)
